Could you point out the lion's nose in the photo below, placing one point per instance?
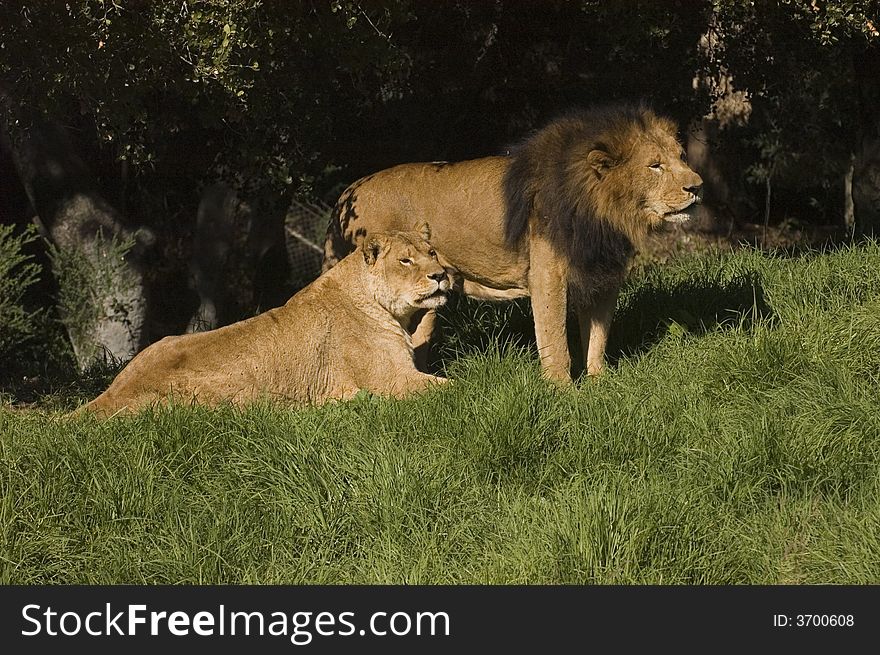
(439, 276)
(696, 187)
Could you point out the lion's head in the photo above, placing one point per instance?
(597, 173)
(641, 167)
(405, 272)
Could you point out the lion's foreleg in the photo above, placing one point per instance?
(548, 287)
(595, 324)
(422, 330)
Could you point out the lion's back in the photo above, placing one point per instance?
(453, 197)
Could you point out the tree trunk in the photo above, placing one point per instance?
(866, 168)
(716, 190)
(730, 108)
(849, 208)
(213, 240)
(95, 256)
(239, 264)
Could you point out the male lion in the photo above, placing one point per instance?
(341, 334)
(558, 220)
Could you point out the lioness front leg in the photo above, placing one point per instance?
(405, 384)
(595, 324)
(422, 329)
(548, 288)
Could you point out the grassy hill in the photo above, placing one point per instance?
(734, 439)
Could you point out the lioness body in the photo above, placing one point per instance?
(341, 334)
(558, 220)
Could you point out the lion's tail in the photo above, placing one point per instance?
(518, 197)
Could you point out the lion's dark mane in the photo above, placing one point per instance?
(549, 175)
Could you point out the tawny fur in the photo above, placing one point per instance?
(341, 334)
(558, 220)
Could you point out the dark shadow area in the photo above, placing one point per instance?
(46, 375)
(466, 326)
(643, 317)
(693, 307)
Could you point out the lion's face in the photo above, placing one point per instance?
(406, 272)
(645, 174)
(671, 188)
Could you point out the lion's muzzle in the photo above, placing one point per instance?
(684, 210)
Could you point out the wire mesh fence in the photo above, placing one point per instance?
(304, 228)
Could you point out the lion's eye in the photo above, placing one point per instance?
(406, 261)
(657, 166)
(433, 254)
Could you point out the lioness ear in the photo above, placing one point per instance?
(425, 231)
(371, 248)
(600, 161)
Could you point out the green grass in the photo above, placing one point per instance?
(734, 439)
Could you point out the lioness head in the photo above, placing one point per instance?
(641, 165)
(406, 274)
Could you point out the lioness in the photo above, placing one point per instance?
(341, 334)
(558, 219)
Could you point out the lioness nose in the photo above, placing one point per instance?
(438, 276)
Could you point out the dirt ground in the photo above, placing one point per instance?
(674, 240)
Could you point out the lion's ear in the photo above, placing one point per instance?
(371, 249)
(425, 231)
(600, 161)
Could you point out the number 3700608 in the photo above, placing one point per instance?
(823, 620)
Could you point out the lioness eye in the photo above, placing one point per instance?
(406, 261)
(433, 254)
(656, 166)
